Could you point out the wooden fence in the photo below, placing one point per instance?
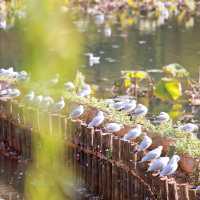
(103, 163)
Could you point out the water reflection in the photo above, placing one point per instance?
(12, 175)
(140, 50)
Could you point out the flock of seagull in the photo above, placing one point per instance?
(164, 165)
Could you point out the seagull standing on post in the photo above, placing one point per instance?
(140, 111)
(69, 86)
(97, 120)
(58, 106)
(129, 106)
(153, 154)
(133, 133)
(171, 166)
(162, 118)
(77, 112)
(113, 127)
(158, 164)
(145, 144)
(86, 91)
(189, 127)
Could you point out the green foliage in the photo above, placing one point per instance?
(189, 146)
(168, 89)
(175, 70)
(51, 42)
(140, 75)
(52, 46)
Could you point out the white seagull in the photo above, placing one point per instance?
(22, 76)
(46, 102)
(77, 112)
(120, 104)
(107, 31)
(7, 73)
(9, 93)
(69, 86)
(145, 144)
(140, 111)
(86, 91)
(133, 133)
(153, 154)
(171, 167)
(28, 98)
(99, 19)
(93, 60)
(113, 127)
(158, 164)
(54, 80)
(97, 120)
(162, 118)
(129, 106)
(189, 127)
(58, 106)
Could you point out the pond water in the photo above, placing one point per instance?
(128, 49)
(168, 44)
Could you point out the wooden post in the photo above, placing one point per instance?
(15, 111)
(116, 149)
(115, 191)
(173, 194)
(109, 179)
(104, 180)
(100, 183)
(21, 114)
(8, 108)
(1, 130)
(106, 142)
(35, 119)
(184, 194)
(89, 138)
(64, 127)
(44, 122)
(164, 189)
(55, 125)
(28, 133)
(97, 140)
(192, 194)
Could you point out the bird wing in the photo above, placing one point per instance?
(169, 169)
(75, 113)
(95, 121)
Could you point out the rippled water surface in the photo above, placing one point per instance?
(124, 49)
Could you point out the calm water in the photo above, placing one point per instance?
(168, 44)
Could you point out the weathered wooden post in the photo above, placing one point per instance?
(97, 140)
(184, 194)
(173, 194)
(106, 144)
(35, 119)
(192, 194)
(44, 122)
(116, 149)
(164, 189)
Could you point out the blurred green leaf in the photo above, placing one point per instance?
(135, 74)
(176, 70)
(127, 83)
(168, 89)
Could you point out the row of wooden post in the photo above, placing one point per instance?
(106, 165)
